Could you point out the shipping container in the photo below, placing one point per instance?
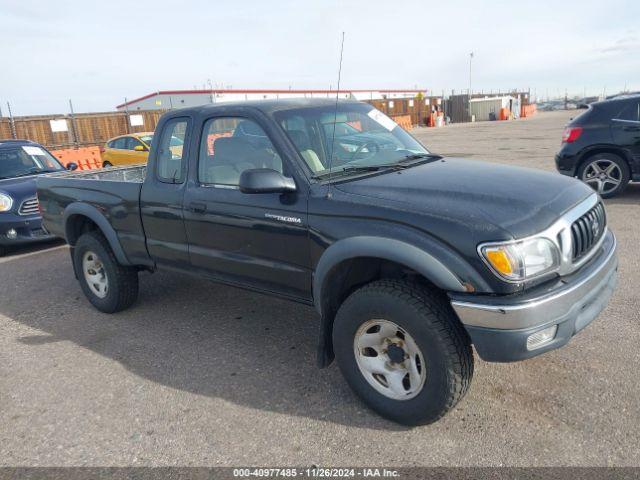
(488, 108)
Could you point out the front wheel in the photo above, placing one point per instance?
(403, 351)
(606, 173)
(109, 286)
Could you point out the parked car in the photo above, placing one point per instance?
(132, 149)
(602, 145)
(21, 161)
(408, 257)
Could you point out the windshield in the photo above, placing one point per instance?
(147, 139)
(175, 141)
(26, 160)
(364, 137)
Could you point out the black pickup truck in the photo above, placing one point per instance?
(408, 257)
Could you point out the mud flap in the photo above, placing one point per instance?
(325, 343)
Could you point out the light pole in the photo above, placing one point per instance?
(470, 59)
(210, 90)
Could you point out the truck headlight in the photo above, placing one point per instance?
(521, 260)
(6, 202)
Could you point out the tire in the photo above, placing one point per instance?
(593, 171)
(107, 165)
(3, 251)
(423, 316)
(94, 259)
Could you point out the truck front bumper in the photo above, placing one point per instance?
(501, 328)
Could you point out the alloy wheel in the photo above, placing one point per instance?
(603, 175)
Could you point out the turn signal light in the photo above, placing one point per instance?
(499, 259)
(571, 134)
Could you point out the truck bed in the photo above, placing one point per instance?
(113, 193)
(133, 174)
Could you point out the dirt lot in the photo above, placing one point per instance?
(202, 374)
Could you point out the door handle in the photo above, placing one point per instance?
(197, 207)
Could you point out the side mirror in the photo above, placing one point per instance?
(139, 148)
(72, 166)
(265, 180)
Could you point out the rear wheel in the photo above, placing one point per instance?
(107, 165)
(109, 286)
(3, 251)
(606, 173)
(403, 351)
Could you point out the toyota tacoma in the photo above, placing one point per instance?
(409, 258)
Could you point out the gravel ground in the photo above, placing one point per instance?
(203, 374)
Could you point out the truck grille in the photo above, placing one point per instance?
(29, 207)
(587, 230)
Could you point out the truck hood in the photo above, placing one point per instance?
(520, 201)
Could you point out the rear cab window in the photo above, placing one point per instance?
(170, 156)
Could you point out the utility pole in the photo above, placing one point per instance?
(74, 130)
(126, 115)
(12, 123)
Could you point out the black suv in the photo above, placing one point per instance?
(602, 145)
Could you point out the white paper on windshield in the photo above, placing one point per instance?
(382, 119)
(33, 150)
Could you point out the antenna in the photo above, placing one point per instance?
(335, 112)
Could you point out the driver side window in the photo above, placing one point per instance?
(231, 145)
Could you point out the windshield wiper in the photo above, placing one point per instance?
(373, 168)
(34, 171)
(401, 164)
(418, 156)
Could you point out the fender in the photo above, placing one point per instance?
(608, 147)
(99, 219)
(388, 249)
(380, 247)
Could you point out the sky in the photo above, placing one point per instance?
(99, 53)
